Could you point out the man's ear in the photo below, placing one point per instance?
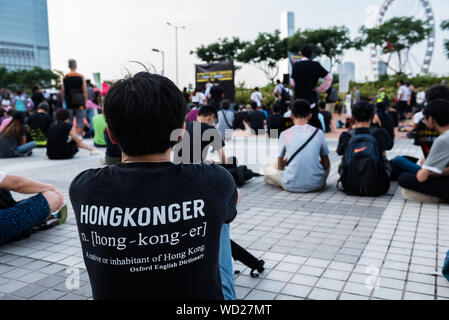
(111, 136)
(309, 117)
(182, 132)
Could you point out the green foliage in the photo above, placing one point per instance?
(265, 52)
(445, 26)
(25, 79)
(330, 42)
(395, 35)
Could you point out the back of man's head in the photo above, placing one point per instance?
(61, 114)
(256, 89)
(276, 108)
(437, 92)
(322, 105)
(363, 111)
(217, 82)
(72, 63)
(142, 112)
(307, 51)
(226, 104)
(254, 105)
(43, 106)
(439, 111)
(401, 82)
(208, 110)
(301, 108)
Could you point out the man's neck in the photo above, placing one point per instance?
(41, 111)
(202, 120)
(443, 130)
(300, 121)
(73, 70)
(360, 125)
(155, 158)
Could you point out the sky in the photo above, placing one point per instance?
(105, 35)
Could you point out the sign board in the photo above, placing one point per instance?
(222, 71)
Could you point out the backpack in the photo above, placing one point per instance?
(285, 96)
(333, 95)
(362, 172)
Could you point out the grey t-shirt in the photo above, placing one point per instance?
(305, 173)
(438, 159)
(225, 126)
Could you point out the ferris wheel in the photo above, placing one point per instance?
(417, 60)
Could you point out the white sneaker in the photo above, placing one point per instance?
(95, 152)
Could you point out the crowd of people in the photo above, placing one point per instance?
(187, 203)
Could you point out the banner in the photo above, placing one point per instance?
(222, 71)
(97, 79)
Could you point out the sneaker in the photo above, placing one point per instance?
(419, 197)
(95, 153)
(57, 218)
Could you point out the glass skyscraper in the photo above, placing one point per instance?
(24, 39)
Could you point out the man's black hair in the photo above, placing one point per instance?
(363, 111)
(278, 81)
(256, 89)
(437, 92)
(301, 108)
(44, 106)
(307, 51)
(322, 105)
(36, 88)
(216, 81)
(208, 110)
(254, 105)
(276, 108)
(142, 112)
(226, 104)
(439, 111)
(61, 114)
(402, 82)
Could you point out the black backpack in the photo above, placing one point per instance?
(363, 172)
(285, 96)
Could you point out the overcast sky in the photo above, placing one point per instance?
(103, 35)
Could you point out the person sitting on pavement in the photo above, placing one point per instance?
(99, 125)
(17, 218)
(13, 138)
(431, 183)
(364, 169)
(179, 257)
(304, 171)
(63, 142)
(39, 123)
(256, 119)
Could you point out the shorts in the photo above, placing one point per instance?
(23, 217)
(80, 114)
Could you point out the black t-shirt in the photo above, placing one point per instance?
(274, 123)
(387, 122)
(197, 139)
(37, 99)
(152, 230)
(382, 137)
(39, 121)
(216, 93)
(73, 83)
(306, 75)
(256, 119)
(57, 145)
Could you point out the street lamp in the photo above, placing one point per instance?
(176, 39)
(163, 60)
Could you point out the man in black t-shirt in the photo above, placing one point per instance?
(274, 122)
(305, 76)
(199, 136)
(256, 119)
(39, 123)
(150, 229)
(217, 94)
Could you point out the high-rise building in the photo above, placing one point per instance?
(382, 68)
(287, 30)
(348, 69)
(24, 38)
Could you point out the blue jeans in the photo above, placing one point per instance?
(226, 269)
(90, 115)
(24, 148)
(402, 165)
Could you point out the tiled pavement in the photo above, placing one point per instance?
(323, 246)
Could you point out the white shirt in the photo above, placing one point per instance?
(199, 97)
(348, 105)
(278, 89)
(405, 92)
(421, 97)
(208, 87)
(2, 176)
(418, 117)
(257, 97)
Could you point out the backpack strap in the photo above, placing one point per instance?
(226, 120)
(303, 146)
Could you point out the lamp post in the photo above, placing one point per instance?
(176, 39)
(163, 60)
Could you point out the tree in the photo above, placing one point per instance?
(330, 42)
(265, 52)
(223, 50)
(395, 36)
(445, 26)
(26, 79)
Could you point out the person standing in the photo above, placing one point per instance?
(305, 76)
(74, 94)
(357, 98)
(403, 99)
(257, 97)
(225, 120)
(90, 112)
(217, 94)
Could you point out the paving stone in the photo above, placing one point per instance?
(322, 294)
(49, 294)
(296, 290)
(29, 291)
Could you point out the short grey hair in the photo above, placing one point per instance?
(72, 63)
